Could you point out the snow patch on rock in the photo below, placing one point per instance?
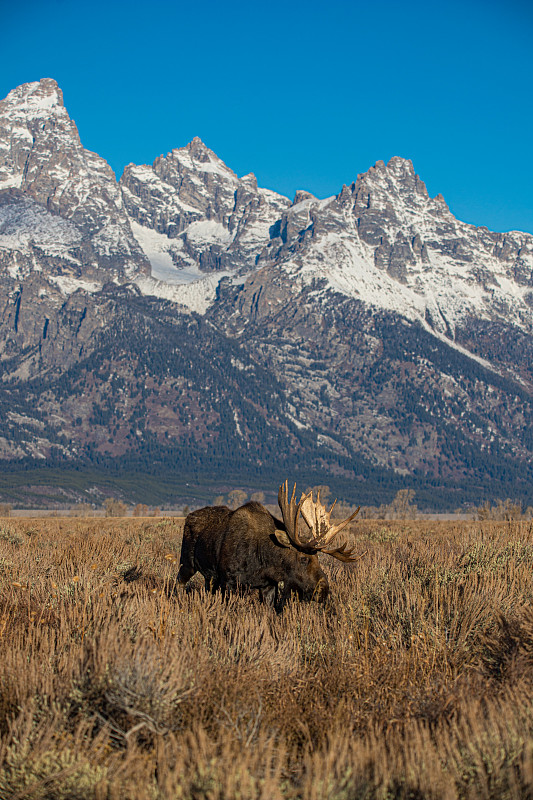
(196, 295)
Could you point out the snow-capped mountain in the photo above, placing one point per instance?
(370, 336)
(384, 241)
(42, 160)
(192, 217)
(215, 219)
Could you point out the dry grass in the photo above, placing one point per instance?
(415, 681)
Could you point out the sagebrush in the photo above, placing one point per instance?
(413, 681)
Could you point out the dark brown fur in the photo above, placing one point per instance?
(241, 548)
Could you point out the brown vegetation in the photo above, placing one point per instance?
(413, 681)
(503, 510)
(115, 508)
(401, 507)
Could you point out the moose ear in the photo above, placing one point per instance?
(281, 538)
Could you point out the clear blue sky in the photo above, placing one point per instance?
(305, 94)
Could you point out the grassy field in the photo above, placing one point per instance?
(414, 681)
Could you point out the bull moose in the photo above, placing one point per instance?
(251, 548)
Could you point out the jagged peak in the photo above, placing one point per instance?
(398, 176)
(196, 142)
(401, 165)
(440, 199)
(397, 165)
(198, 149)
(302, 194)
(249, 181)
(37, 96)
(195, 149)
(197, 156)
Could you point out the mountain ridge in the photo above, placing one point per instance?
(397, 337)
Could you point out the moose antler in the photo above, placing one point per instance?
(317, 518)
(291, 512)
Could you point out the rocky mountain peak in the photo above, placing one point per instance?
(209, 218)
(195, 157)
(301, 195)
(37, 97)
(250, 181)
(440, 199)
(41, 155)
(31, 117)
(199, 151)
(401, 165)
(397, 177)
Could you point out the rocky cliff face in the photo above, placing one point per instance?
(185, 314)
(42, 160)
